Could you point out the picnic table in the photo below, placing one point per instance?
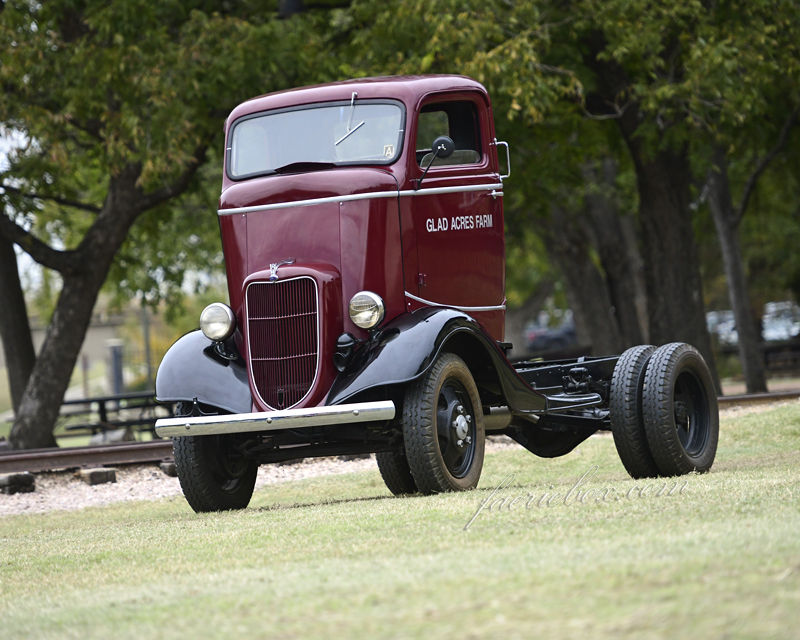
(136, 410)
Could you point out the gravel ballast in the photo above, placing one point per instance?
(64, 490)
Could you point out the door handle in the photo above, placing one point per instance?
(497, 143)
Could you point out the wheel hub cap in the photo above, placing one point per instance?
(461, 426)
(455, 428)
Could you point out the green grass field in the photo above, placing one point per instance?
(338, 557)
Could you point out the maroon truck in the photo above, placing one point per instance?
(362, 226)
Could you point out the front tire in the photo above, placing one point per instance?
(443, 428)
(214, 475)
(680, 410)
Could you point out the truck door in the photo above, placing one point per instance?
(458, 213)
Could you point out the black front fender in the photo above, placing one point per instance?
(192, 368)
(409, 345)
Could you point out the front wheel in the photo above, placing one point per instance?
(680, 409)
(443, 428)
(213, 472)
(214, 476)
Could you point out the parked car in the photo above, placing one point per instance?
(780, 322)
(723, 325)
(779, 329)
(362, 225)
(541, 339)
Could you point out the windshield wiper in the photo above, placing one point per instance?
(350, 120)
(302, 166)
(344, 137)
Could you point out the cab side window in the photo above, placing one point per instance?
(459, 121)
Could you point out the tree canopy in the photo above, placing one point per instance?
(622, 114)
(114, 107)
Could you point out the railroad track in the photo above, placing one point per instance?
(95, 456)
(757, 398)
(140, 452)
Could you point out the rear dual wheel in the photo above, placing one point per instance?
(681, 413)
(664, 412)
(626, 409)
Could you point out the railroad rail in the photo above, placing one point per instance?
(95, 456)
(35, 460)
(757, 398)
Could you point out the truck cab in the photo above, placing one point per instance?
(363, 233)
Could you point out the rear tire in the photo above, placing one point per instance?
(443, 428)
(680, 410)
(395, 472)
(627, 421)
(214, 476)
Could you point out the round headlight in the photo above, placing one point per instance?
(217, 322)
(367, 309)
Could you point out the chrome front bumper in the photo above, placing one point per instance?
(274, 420)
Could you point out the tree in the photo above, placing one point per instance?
(560, 61)
(116, 105)
(770, 232)
(529, 283)
(662, 75)
(749, 72)
(595, 249)
(727, 219)
(720, 81)
(616, 243)
(15, 330)
(623, 72)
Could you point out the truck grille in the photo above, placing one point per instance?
(282, 329)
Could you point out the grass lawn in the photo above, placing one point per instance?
(338, 557)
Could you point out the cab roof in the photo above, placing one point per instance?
(407, 89)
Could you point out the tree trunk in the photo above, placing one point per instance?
(569, 248)
(675, 306)
(41, 401)
(15, 330)
(517, 318)
(672, 269)
(631, 240)
(721, 205)
(616, 256)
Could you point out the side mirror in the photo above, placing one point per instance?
(442, 147)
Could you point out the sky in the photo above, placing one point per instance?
(8, 139)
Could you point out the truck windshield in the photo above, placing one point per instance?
(318, 135)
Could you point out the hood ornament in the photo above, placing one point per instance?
(273, 268)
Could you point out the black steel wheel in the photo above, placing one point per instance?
(625, 408)
(680, 410)
(395, 472)
(214, 474)
(443, 428)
